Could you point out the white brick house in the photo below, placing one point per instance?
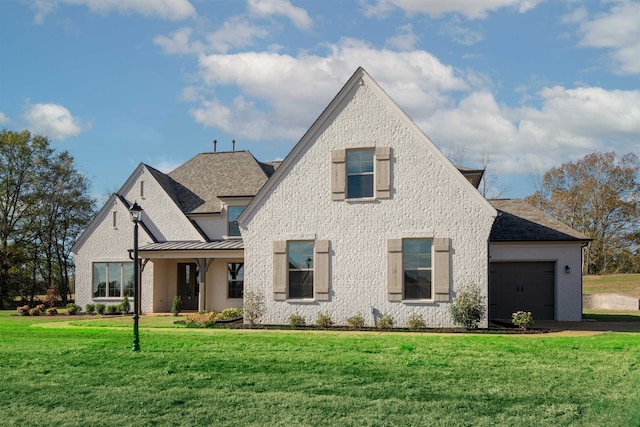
(365, 215)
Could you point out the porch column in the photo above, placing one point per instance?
(203, 267)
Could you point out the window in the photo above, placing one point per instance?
(416, 267)
(235, 279)
(300, 258)
(234, 213)
(142, 189)
(113, 279)
(419, 269)
(359, 174)
(115, 219)
(301, 269)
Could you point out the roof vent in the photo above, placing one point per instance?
(233, 145)
(215, 142)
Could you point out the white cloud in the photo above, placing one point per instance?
(235, 33)
(173, 10)
(53, 120)
(179, 43)
(267, 8)
(4, 119)
(471, 9)
(405, 40)
(619, 32)
(295, 89)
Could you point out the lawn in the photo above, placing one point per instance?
(623, 284)
(82, 372)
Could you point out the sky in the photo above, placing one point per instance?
(518, 86)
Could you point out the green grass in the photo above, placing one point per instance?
(602, 315)
(82, 372)
(623, 284)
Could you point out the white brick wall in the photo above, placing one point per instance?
(428, 200)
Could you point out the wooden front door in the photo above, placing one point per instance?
(188, 285)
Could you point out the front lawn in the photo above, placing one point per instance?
(82, 372)
(623, 284)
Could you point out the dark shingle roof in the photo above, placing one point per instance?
(197, 184)
(518, 221)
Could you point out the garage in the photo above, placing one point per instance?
(522, 285)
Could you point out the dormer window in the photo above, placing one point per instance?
(234, 212)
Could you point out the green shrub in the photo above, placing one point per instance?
(468, 307)
(89, 308)
(112, 309)
(100, 308)
(522, 319)
(297, 321)
(356, 322)
(176, 306)
(416, 322)
(229, 313)
(385, 322)
(324, 320)
(254, 307)
(72, 309)
(124, 307)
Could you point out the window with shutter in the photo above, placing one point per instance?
(363, 173)
(301, 270)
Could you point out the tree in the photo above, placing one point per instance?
(44, 205)
(599, 196)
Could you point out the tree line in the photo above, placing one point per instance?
(598, 195)
(44, 205)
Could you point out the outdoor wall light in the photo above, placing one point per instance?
(136, 216)
(567, 269)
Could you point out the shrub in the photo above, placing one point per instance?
(254, 307)
(229, 313)
(468, 307)
(23, 310)
(124, 306)
(297, 321)
(522, 319)
(51, 299)
(112, 309)
(52, 311)
(324, 320)
(89, 308)
(356, 322)
(72, 309)
(385, 322)
(100, 308)
(176, 306)
(203, 320)
(35, 311)
(416, 321)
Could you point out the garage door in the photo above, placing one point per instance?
(527, 286)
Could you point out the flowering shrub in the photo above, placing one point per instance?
(296, 320)
(229, 313)
(356, 322)
(52, 297)
(522, 319)
(23, 310)
(52, 311)
(35, 311)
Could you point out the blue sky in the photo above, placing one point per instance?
(521, 85)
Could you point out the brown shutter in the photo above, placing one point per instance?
(280, 270)
(383, 172)
(321, 270)
(441, 268)
(338, 174)
(394, 270)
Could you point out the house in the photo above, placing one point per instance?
(365, 215)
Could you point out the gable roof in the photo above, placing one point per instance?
(198, 184)
(518, 221)
(359, 77)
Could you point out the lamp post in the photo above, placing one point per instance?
(136, 216)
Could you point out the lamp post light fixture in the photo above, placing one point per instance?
(136, 215)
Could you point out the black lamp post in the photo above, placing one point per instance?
(136, 216)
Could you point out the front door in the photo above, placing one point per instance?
(188, 285)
